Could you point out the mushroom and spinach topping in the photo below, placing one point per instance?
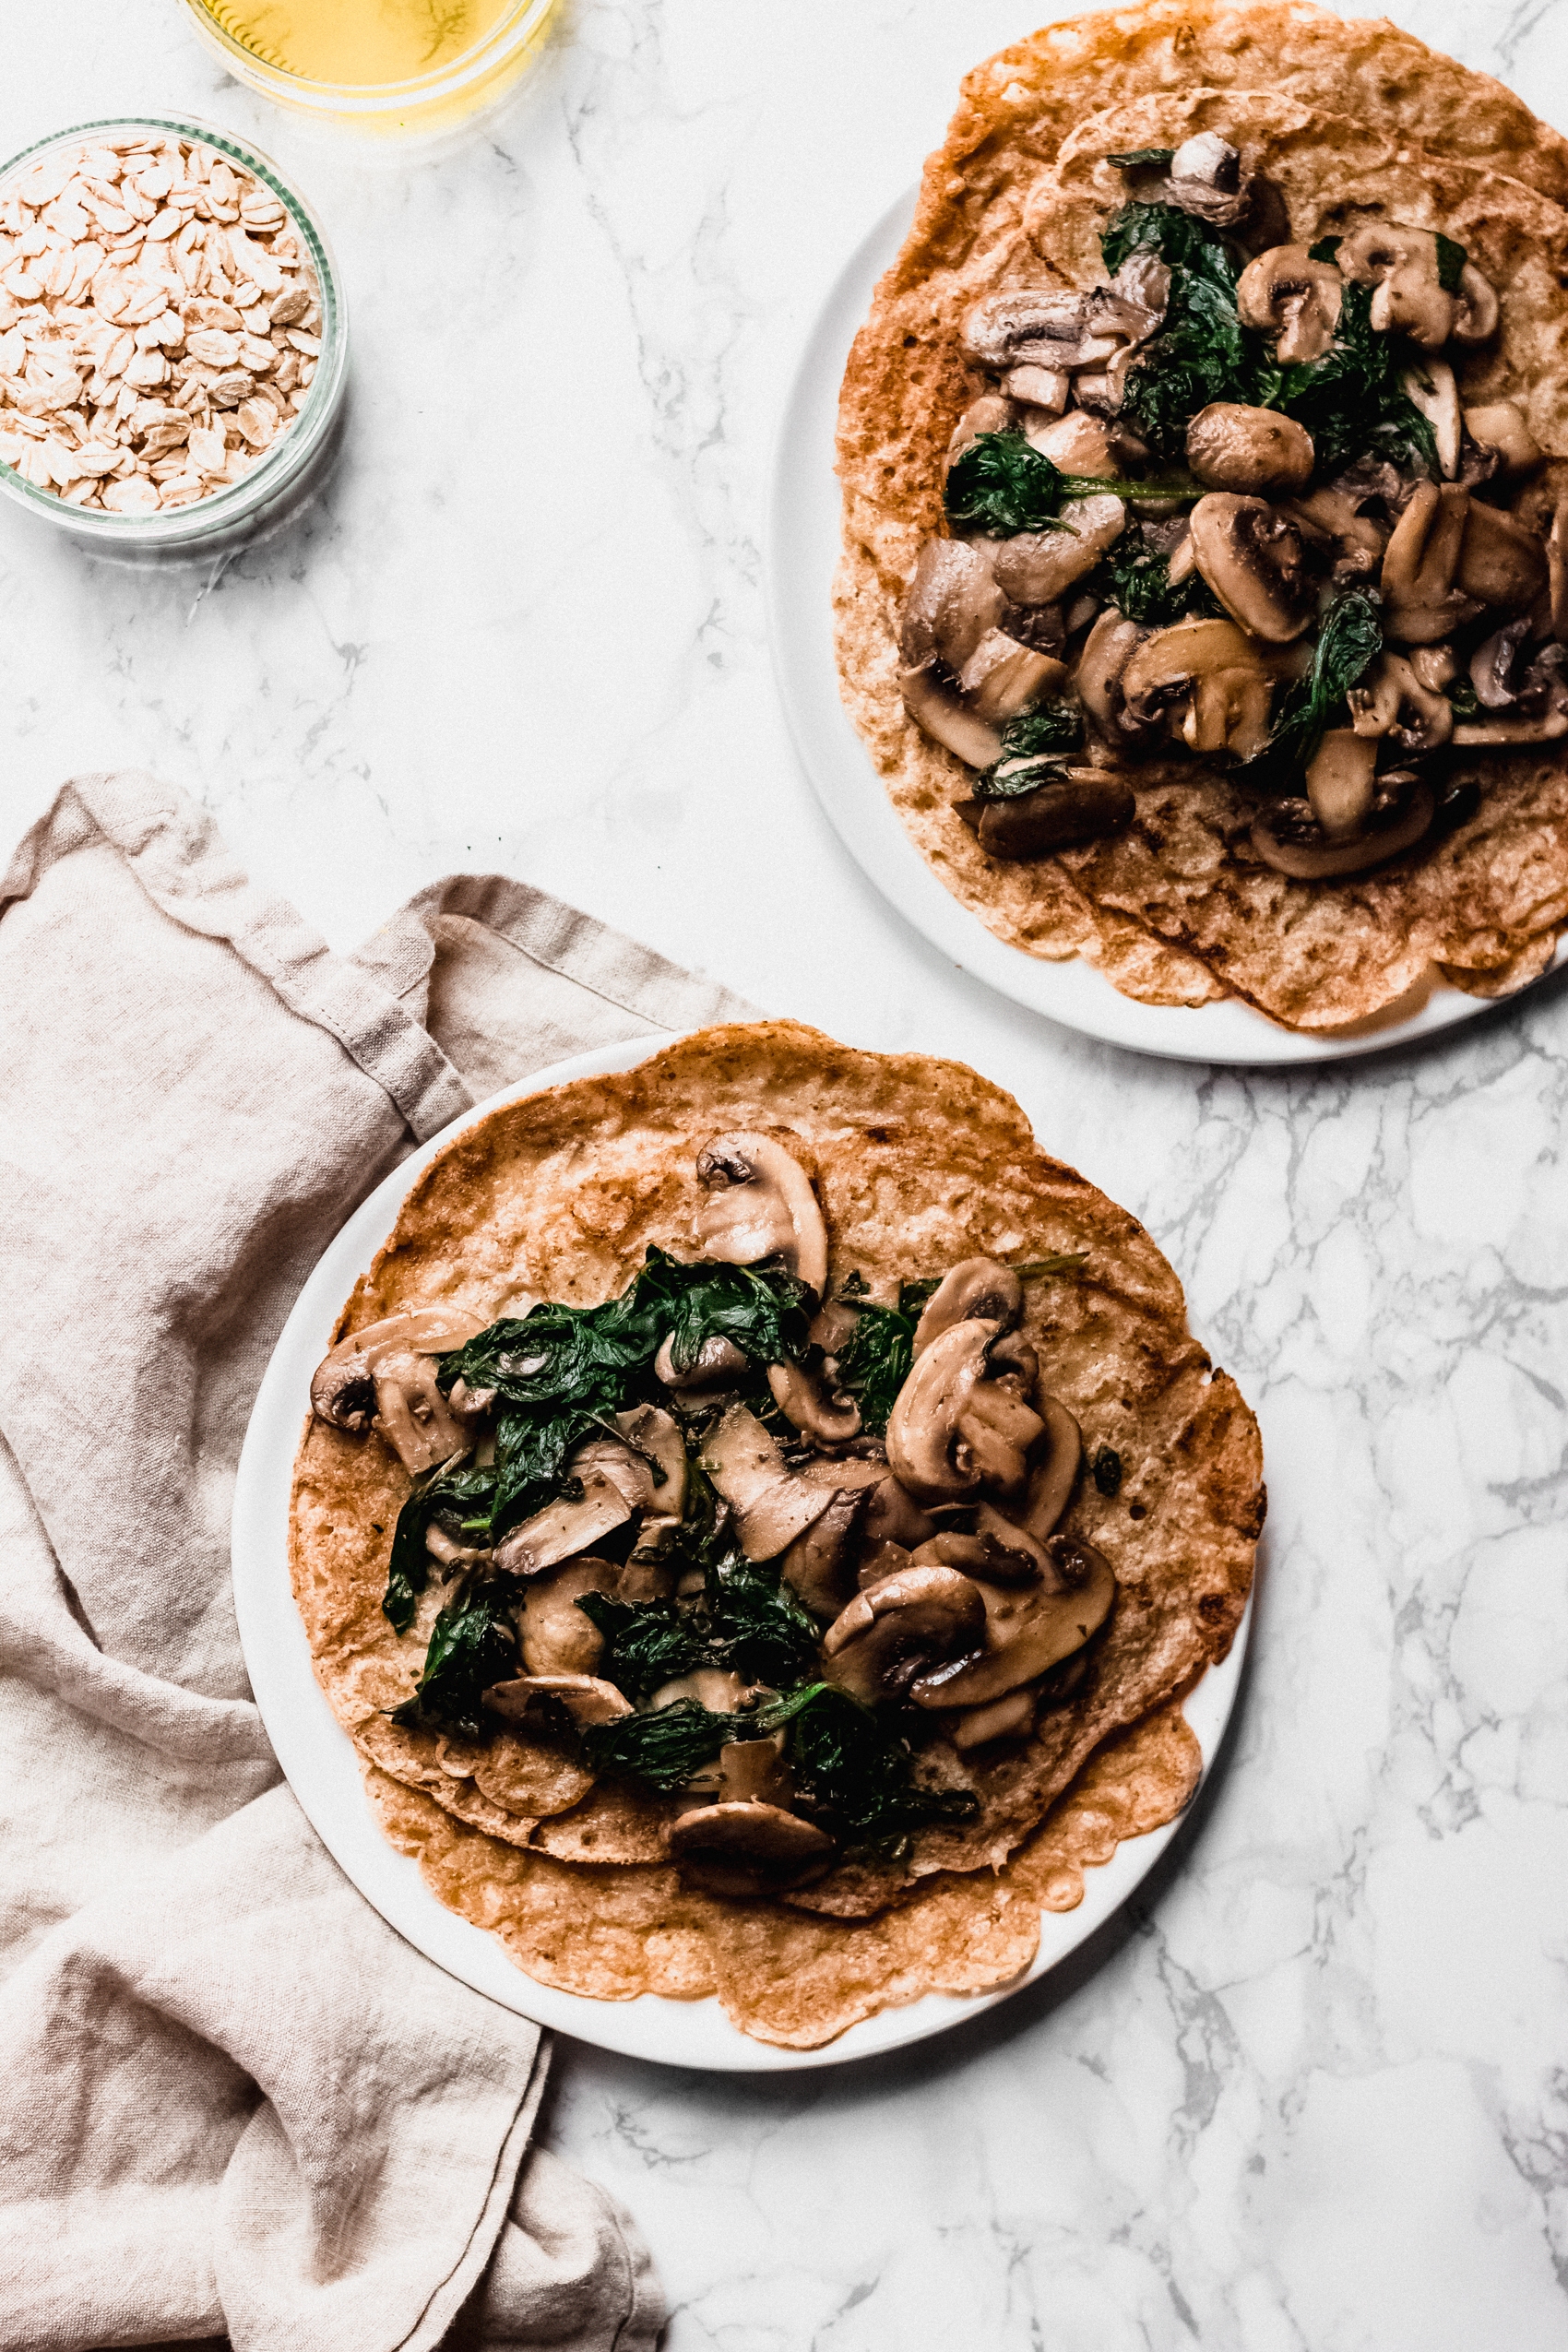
(780, 1551)
(1230, 506)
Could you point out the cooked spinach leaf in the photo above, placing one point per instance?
(456, 1493)
(1202, 353)
(1000, 485)
(1177, 237)
(1049, 727)
(1027, 775)
(856, 1770)
(560, 1373)
(1325, 249)
(1136, 577)
(473, 1644)
(1348, 642)
(1352, 400)
(1462, 694)
(876, 1363)
(1451, 260)
(1138, 158)
(748, 1621)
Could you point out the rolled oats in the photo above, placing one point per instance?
(159, 325)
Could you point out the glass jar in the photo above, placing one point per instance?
(420, 105)
(292, 468)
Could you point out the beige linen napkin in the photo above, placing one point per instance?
(232, 2100)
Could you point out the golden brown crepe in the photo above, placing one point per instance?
(1332, 109)
(917, 1164)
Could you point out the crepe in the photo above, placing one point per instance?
(1023, 182)
(917, 1164)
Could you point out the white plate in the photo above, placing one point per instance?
(323, 1768)
(801, 557)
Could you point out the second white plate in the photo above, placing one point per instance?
(323, 1767)
(801, 557)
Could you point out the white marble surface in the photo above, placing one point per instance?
(1314, 2098)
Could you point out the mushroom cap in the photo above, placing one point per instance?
(1501, 563)
(1102, 665)
(1008, 1719)
(922, 1429)
(898, 1628)
(1340, 782)
(815, 1566)
(1055, 1472)
(1220, 673)
(952, 602)
(412, 1413)
(1028, 1630)
(974, 1287)
(940, 714)
(564, 1527)
(998, 1429)
(809, 1404)
(1004, 677)
(1232, 446)
(1288, 839)
(1084, 805)
(892, 1515)
(771, 1506)
(1036, 568)
(584, 1696)
(1283, 291)
(747, 1849)
(1499, 425)
(1252, 558)
(557, 1636)
(760, 1204)
(342, 1386)
(1401, 264)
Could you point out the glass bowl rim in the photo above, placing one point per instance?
(290, 451)
(445, 82)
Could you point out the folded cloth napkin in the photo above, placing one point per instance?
(235, 2103)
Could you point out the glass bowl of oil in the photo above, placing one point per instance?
(289, 472)
(389, 66)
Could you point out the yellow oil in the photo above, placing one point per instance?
(358, 43)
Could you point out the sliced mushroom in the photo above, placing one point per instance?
(718, 1362)
(901, 1629)
(816, 1565)
(939, 713)
(1208, 180)
(974, 1287)
(1055, 1472)
(1008, 1719)
(1041, 388)
(1086, 805)
(1231, 446)
(1499, 425)
(749, 1848)
(771, 1507)
(558, 1637)
(922, 1429)
(1545, 727)
(1028, 1630)
(952, 604)
(653, 1434)
(879, 1560)
(564, 1528)
(892, 1515)
(440, 1547)
(1391, 700)
(997, 1429)
(1432, 390)
(584, 1696)
(1144, 279)
(1102, 666)
(1004, 677)
(1400, 264)
(713, 1687)
(760, 1204)
(342, 1388)
(1038, 567)
(1476, 309)
(1252, 558)
(991, 414)
(1210, 676)
(996, 327)
(1418, 565)
(821, 1412)
(1289, 838)
(1286, 293)
(1340, 782)
(1501, 563)
(997, 1549)
(1078, 443)
(1494, 665)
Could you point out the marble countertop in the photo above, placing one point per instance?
(1311, 2095)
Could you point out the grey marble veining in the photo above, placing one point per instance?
(1311, 2094)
